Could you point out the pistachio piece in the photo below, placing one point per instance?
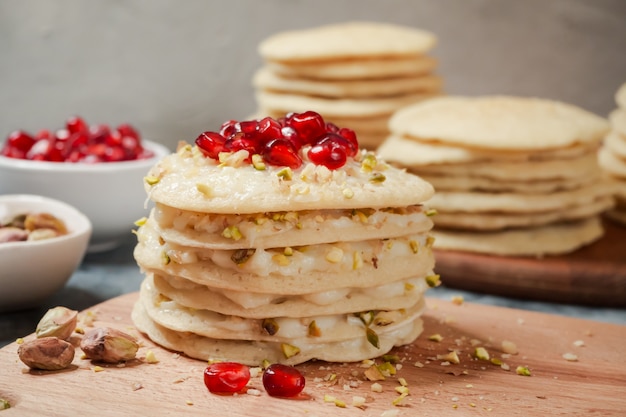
(270, 326)
(47, 353)
(240, 256)
(4, 404)
(289, 350)
(109, 345)
(314, 329)
(57, 322)
(372, 337)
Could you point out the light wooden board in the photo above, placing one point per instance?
(594, 385)
(593, 275)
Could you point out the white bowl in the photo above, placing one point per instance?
(110, 194)
(31, 271)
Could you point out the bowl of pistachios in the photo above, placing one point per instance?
(42, 243)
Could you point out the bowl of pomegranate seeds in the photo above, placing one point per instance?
(42, 242)
(96, 168)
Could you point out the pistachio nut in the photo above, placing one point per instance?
(48, 353)
(109, 345)
(57, 322)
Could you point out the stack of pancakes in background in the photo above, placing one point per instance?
(248, 265)
(612, 155)
(514, 176)
(354, 74)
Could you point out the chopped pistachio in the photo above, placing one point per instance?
(151, 180)
(270, 326)
(357, 401)
(314, 329)
(376, 387)
(451, 357)
(402, 389)
(288, 251)
(431, 212)
(509, 347)
(430, 241)
(98, 369)
(348, 193)
(265, 364)
(151, 357)
(165, 258)
(403, 382)
(285, 174)
(257, 162)
(369, 162)
(570, 357)
(481, 353)
(457, 299)
(391, 358)
(4, 404)
(360, 215)
(433, 280)
(377, 177)
(141, 222)
(372, 337)
(281, 259)
(408, 287)
(232, 232)
(357, 260)
(204, 189)
(496, 361)
(373, 373)
(387, 368)
(367, 317)
(57, 322)
(414, 245)
(335, 255)
(435, 337)
(522, 370)
(19, 340)
(398, 400)
(241, 256)
(289, 350)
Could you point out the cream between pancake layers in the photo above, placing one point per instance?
(356, 74)
(514, 176)
(612, 155)
(248, 265)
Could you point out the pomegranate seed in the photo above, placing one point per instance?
(331, 128)
(98, 133)
(269, 129)
(226, 377)
(350, 136)
(211, 144)
(283, 381)
(309, 125)
(281, 152)
(39, 150)
(43, 134)
(229, 128)
(239, 142)
(20, 140)
(126, 130)
(291, 135)
(76, 124)
(332, 151)
(249, 127)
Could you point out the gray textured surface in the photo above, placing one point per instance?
(176, 68)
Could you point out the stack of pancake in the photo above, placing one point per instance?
(612, 155)
(354, 74)
(247, 265)
(514, 176)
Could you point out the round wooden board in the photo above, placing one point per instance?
(593, 275)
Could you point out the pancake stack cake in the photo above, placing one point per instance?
(514, 176)
(355, 74)
(281, 240)
(612, 155)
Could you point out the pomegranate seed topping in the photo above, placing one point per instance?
(76, 124)
(226, 377)
(281, 152)
(332, 151)
(43, 134)
(279, 141)
(211, 144)
(283, 381)
(127, 130)
(309, 125)
(20, 140)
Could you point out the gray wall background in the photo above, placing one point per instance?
(177, 68)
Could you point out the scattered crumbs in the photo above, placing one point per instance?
(19, 341)
(255, 372)
(457, 300)
(475, 342)
(570, 357)
(455, 406)
(98, 369)
(151, 357)
(390, 413)
(451, 357)
(469, 386)
(402, 382)
(137, 386)
(376, 387)
(522, 370)
(579, 343)
(4, 404)
(121, 365)
(505, 366)
(481, 353)
(358, 401)
(509, 347)
(435, 337)
(472, 405)
(253, 391)
(189, 402)
(455, 399)
(520, 321)
(541, 397)
(176, 356)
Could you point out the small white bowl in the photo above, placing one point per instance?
(110, 194)
(31, 271)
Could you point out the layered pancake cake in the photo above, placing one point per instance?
(612, 156)
(514, 176)
(281, 240)
(356, 74)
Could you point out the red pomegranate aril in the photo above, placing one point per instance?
(281, 152)
(229, 128)
(114, 154)
(291, 135)
(20, 140)
(242, 143)
(43, 134)
(331, 128)
(126, 130)
(39, 150)
(226, 377)
(249, 127)
(98, 133)
(269, 129)
(350, 136)
(211, 144)
(76, 124)
(283, 381)
(332, 151)
(309, 125)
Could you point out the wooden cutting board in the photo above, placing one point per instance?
(593, 275)
(595, 384)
